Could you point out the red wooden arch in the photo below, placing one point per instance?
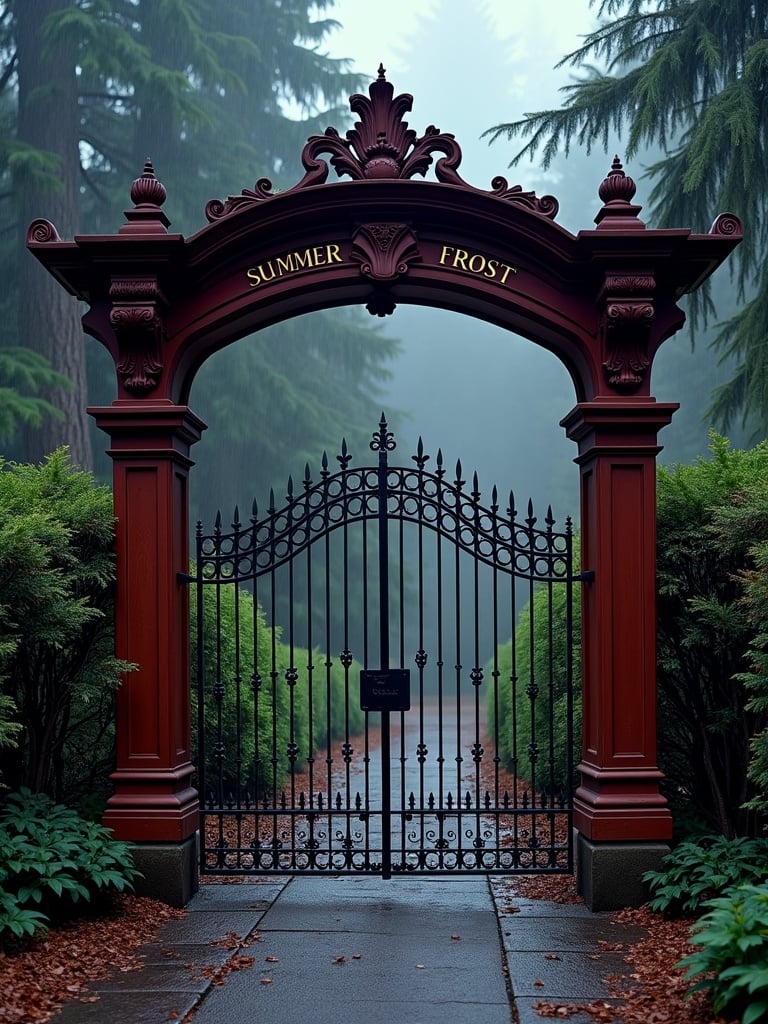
(602, 301)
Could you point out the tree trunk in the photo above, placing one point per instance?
(49, 318)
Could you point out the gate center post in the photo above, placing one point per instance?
(382, 442)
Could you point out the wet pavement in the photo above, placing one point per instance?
(411, 950)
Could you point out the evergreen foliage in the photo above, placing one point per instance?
(57, 664)
(712, 628)
(709, 517)
(219, 93)
(689, 77)
(755, 678)
(306, 700)
(537, 654)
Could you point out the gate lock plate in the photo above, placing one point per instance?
(385, 689)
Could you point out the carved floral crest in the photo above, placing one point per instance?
(381, 146)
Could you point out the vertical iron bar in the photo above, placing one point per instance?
(569, 686)
(291, 674)
(532, 688)
(512, 512)
(366, 665)
(403, 756)
(550, 796)
(238, 681)
(477, 671)
(310, 656)
(273, 673)
(201, 774)
(256, 684)
(457, 625)
(421, 657)
(386, 782)
(439, 535)
(495, 674)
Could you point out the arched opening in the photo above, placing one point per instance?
(602, 301)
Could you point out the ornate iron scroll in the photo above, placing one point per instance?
(330, 799)
(382, 146)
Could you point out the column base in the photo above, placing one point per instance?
(170, 870)
(609, 876)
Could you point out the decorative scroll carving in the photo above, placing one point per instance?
(727, 224)
(381, 146)
(627, 316)
(384, 251)
(137, 321)
(42, 231)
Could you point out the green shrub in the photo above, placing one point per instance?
(50, 860)
(544, 660)
(703, 868)
(57, 661)
(710, 517)
(755, 680)
(732, 963)
(245, 655)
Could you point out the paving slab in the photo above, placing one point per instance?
(415, 951)
(410, 950)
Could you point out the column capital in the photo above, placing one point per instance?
(142, 425)
(625, 423)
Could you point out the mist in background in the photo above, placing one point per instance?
(480, 394)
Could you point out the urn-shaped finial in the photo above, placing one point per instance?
(147, 189)
(148, 195)
(617, 190)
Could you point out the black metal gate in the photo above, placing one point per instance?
(367, 698)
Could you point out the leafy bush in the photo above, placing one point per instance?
(732, 962)
(519, 713)
(51, 859)
(703, 868)
(56, 632)
(246, 657)
(755, 680)
(710, 517)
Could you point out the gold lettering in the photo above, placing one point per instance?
(292, 262)
(475, 263)
(304, 260)
(460, 258)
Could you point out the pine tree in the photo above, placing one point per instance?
(201, 86)
(689, 76)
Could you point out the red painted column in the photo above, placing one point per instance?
(153, 799)
(618, 799)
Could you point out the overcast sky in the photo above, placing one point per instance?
(471, 64)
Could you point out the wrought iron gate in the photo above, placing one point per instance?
(340, 728)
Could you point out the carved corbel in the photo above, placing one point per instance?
(384, 252)
(137, 320)
(628, 312)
